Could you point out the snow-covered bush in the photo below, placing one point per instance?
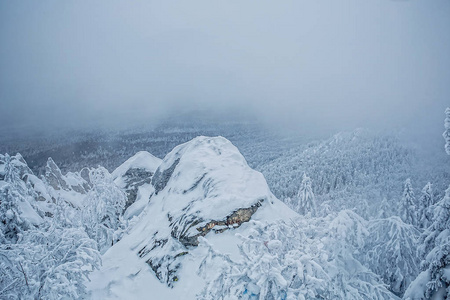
(292, 261)
(51, 263)
(102, 209)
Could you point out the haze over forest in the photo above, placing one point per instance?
(313, 66)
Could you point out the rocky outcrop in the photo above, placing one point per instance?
(161, 178)
(234, 220)
(69, 182)
(134, 178)
(134, 173)
(54, 177)
(201, 187)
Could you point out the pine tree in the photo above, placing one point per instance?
(384, 209)
(391, 252)
(12, 191)
(306, 200)
(435, 249)
(425, 203)
(407, 205)
(446, 133)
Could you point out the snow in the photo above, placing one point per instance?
(73, 179)
(28, 213)
(38, 186)
(74, 198)
(210, 181)
(141, 202)
(3, 184)
(204, 182)
(418, 287)
(225, 181)
(141, 160)
(125, 276)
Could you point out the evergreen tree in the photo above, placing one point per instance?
(12, 191)
(425, 203)
(391, 252)
(288, 202)
(434, 282)
(384, 209)
(306, 200)
(407, 205)
(446, 133)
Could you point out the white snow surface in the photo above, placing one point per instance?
(210, 182)
(141, 160)
(28, 213)
(141, 202)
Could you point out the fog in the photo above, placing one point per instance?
(312, 65)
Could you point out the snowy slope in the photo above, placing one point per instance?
(205, 193)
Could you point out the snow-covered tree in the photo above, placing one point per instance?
(434, 281)
(425, 203)
(64, 215)
(288, 202)
(306, 200)
(440, 227)
(294, 261)
(39, 258)
(385, 209)
(350, 228)
(446, 133)
(47, 263)
(102, 209)
(407, 205)
(391, 252)
(12, 193)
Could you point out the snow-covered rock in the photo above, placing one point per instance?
(17, 198)
(71, 181)
(134, 177)
(204, 190)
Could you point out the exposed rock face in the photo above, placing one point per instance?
(134, 173)
(161, 178)
(201, 187)
(53, 176)
(234, 220)
(134, 178)
(69, 182)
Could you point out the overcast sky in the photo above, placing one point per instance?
(313, 64)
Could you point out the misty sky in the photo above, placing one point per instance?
(328, 64)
